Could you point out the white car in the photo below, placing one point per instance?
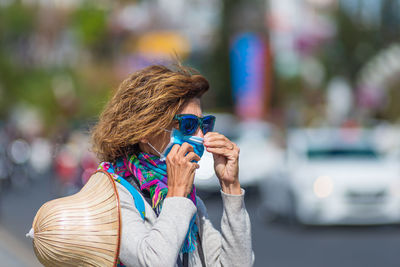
(259, 155)
(333, 177)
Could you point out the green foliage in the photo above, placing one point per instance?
(22, 80)
(90, 24)
(16, 20)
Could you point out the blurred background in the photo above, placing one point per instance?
(306, 88)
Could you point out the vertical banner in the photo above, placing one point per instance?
(249, 75)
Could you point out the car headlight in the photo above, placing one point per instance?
(323, 186)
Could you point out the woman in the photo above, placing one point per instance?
(151, 133)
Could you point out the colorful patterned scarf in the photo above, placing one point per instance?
(151, 173)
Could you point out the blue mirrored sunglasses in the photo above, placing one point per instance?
(189, 123)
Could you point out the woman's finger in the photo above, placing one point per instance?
(192, 156)
(184, 149)
(211, 139)
(223, 151)
(220, 143)
(215, 136)
(173, 150)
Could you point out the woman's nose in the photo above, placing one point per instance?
(199, 133)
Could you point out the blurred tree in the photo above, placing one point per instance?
(90, 24)
(390, 20)
(48, 81)
(16, 25)
(351, 48)
(218, 66)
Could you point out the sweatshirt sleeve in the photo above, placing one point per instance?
(156, 245)
(232, 246)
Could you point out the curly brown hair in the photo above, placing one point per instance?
(143, 105)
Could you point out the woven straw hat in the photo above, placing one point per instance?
(80, 230)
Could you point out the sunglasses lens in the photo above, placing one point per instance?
(208, 124)
(188, 125)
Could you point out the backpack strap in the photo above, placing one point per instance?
(139, 203)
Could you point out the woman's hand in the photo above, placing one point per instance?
(181, 170)
(226, 161)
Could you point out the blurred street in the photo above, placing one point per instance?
(280, 245)
(276, 245)
(13, 252)
(17, 210)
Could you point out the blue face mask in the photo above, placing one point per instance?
(178, 138)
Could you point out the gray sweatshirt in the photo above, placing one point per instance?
(157, 241)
